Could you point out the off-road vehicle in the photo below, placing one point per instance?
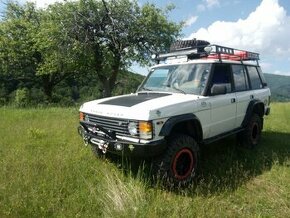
(195, 94)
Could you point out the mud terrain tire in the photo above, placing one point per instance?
(177, 166)
(251, 136)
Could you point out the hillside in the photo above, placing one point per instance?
(280, 87)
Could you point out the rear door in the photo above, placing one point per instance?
(259, 90)
(243, 93)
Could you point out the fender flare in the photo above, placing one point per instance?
(171, 122)
(251, 109)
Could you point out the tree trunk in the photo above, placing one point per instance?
(47, 87)
(109, 81)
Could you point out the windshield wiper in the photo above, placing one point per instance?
(180, 90)
(146, 89)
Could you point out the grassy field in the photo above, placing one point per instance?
(46, 171)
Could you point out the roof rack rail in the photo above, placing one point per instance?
(231, 53)
(210, 52)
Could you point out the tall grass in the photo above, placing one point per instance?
(46, 171)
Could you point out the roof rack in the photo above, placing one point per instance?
(223, 53)
(210, 52)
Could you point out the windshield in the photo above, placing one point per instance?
(185, 78)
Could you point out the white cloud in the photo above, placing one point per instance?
(278, 72)
(266, 65)
(208, 4)
(191, 21)
(266, 30)
(212, 3)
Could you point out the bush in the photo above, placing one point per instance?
(22, 97)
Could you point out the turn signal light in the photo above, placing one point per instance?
(82, 116)
(145, 129)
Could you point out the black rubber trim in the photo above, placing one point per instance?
(250, 110)
(129, 101)
(171, 122)
(223, 135)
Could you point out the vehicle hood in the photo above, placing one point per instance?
(142, 106)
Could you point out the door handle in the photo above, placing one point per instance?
(233, 100)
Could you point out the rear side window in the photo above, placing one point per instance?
(254, 77)
(262, 76)
(240, 78)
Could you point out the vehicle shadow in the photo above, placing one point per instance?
(224, 166)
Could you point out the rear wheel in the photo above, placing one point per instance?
(251, 136)
(178, 165)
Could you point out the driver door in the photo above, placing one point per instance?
(223, 106)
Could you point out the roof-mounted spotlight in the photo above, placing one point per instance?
(208, 49)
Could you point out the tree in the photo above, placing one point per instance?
(61, 55)
(44, 47)
(18, 58)
(116, 33)
(35, 51)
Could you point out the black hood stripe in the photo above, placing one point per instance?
(129, 101)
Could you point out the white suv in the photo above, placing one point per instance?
(196, 94)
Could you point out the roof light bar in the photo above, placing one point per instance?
(222, 50)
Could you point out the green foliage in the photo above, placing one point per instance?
(22, 97)
(47, 172)
(35, 133)
(43, 48)
(17, 56)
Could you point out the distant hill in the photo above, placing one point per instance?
(280, 87)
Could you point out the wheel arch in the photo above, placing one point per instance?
(187, 124)
(254, 107)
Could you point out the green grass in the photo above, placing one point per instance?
(46, 171)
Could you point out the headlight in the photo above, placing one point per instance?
(133, 128)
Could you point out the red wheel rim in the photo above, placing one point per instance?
(183, 164)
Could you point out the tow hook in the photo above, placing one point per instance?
(102, 145)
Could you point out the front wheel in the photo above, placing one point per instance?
(178, 165)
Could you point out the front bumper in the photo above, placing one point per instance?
(110, 144)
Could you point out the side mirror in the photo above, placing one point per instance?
(218, 89)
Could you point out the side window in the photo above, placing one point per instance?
(254, 78)
(240, 78)
(222, 75)
(262, 76)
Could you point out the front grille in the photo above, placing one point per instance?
(119, 126)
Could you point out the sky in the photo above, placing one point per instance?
(261, 26)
